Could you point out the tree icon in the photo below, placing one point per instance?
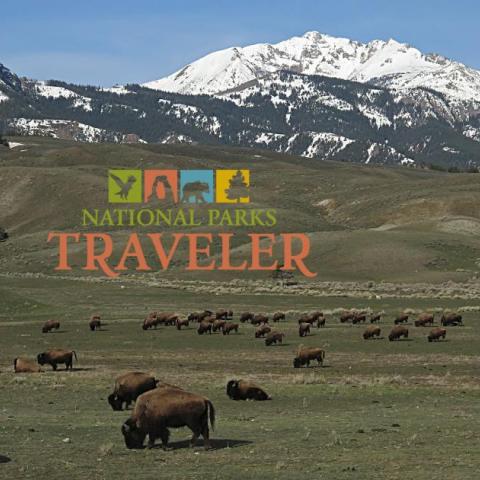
(238, 188)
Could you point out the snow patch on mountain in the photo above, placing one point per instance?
(51, 91)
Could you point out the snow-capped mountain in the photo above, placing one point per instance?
(389, 64)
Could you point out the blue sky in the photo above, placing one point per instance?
(104, 42)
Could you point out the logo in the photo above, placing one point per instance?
(125, 186)
(173, 186)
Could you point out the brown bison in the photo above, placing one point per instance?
(321, 322)
(50, 325)
(402, 318)
(398, 332)
(371, 331)
(199, 316)
(179, 323)
(304, 329)
(223, 314)
(359, 318)
(246, 317)
(245, 390)
(168, 407)
(230, 327)
(424, 319)
(151, 321)
(375, 317)
(218, 325)
(55, 357)
(452, 319)
(167, 318)
(95, 323)
(204, 327)
(347, 316)
(311, 318)
(306, 354)
(277, 316)
(436, 334)
(24, 365)
(262, 330)
(258, 319)
(128, 387)
(274, 338)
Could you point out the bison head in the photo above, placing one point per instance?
(232, 389)
(297, 362)
(115, 402)
(41, 359)
(133, 437)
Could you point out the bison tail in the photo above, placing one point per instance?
(15, 364)
(75, 354)
(211, 414)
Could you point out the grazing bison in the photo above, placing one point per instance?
(274, 338)
(95, 323)
(436, 334)
(218, 325)
(306, 354)
(230, 327)
(245, 390)
(168, 407)
(262, 330)
(258, 319)
(151, 321)
(167, 318)
(452, 319)
(24, 365)
(223, 314)
(181, 323)
(398, 332)
(424, 319)
(347, 317)
(303, 329)
(375, 317)
(204, 327)
(311, 318)
(359, 318)
(50, 325)
(371, 331)
(402, 318)
(246, 317)
(199, 316)
(277, 316)
(128, 387)
(55, 357)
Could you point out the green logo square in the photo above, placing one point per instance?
(125, 186)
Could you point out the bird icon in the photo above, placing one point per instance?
(125, 187)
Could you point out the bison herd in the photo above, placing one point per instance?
(159, 406)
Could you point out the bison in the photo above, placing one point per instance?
(181, 323)
(306, 354)
(321, 322)
(274, 338)
(245, 390)
(246, 317)
(151, 321)
(95, 323)
(347, 317)
(128, 387)
(258, 319)
(204, 327)
(230, 327)
(304, 329)
(55, 357)
(311, 318)
(168, 407)
(277, 316)
(424, 319)
(262, 330)
(359, 318)
(452, 319)
(436, 334)
(50, 325)
(398, 332)
(218, 325)
(402, 318)
(24, 365)
(199, 316)
(375, 317)
(371, 331)
(223, 314)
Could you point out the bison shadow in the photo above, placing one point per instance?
(216, 444)
(5, 459)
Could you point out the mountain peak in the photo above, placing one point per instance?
(389, 63)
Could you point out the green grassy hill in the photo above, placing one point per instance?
(365, 223)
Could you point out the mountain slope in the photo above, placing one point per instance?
(390, 64)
